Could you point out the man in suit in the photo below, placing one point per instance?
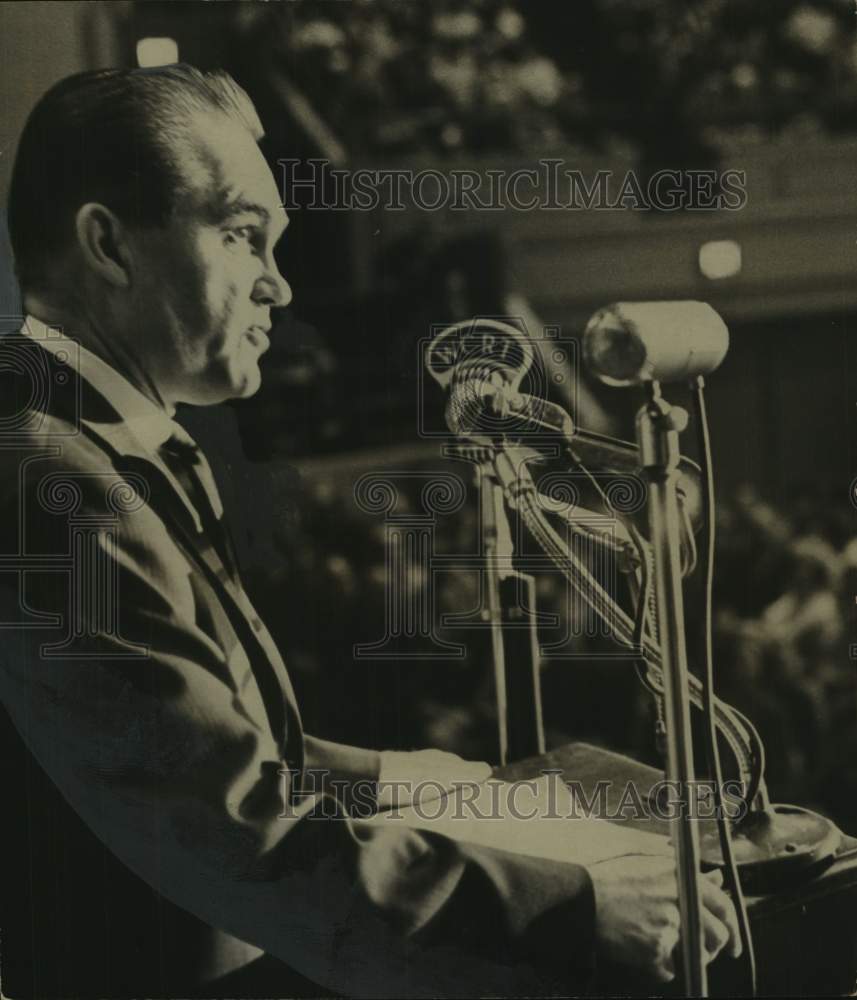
(134, 668)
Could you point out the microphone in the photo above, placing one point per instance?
(481, 363)
(481, 402)
(627, 343)
(485, 407)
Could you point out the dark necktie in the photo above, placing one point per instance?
(190, 467)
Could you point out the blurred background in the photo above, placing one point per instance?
(769, 89)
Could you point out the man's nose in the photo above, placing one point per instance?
(272, 290)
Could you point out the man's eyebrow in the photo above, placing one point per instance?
(243, 206)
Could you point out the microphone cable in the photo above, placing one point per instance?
(712, 750)
(735, 727)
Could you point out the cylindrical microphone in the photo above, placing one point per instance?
(631, 342)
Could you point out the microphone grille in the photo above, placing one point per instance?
(611, 348)
(470, 405)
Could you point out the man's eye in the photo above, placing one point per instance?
(234, 237)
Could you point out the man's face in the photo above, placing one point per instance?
(209, 279)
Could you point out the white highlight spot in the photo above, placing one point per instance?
(720, 259)
(157, 51)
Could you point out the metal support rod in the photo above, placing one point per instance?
(492, 511)
(658, 426)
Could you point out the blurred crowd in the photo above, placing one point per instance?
(785, 632)
(389, 75)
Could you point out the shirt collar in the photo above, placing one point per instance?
(151, 425)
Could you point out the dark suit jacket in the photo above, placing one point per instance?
(149, 694)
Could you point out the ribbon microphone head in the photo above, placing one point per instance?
(481, 406)
(632, 342)
(481, 363)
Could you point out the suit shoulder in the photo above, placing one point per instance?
(54, 440)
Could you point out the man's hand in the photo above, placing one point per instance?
(421, 776)
(637, 918)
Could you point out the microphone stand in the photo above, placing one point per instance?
(492, 517)
(512, 619)
(658, 426)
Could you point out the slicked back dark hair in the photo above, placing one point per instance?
(114, 136)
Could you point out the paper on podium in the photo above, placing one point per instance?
(538, 817)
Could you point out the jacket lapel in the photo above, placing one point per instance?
(99, 420)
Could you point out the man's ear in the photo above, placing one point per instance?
(102, 239)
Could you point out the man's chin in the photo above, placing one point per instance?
(247, 384)
(224, 385)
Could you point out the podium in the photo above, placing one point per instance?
(805, 935)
